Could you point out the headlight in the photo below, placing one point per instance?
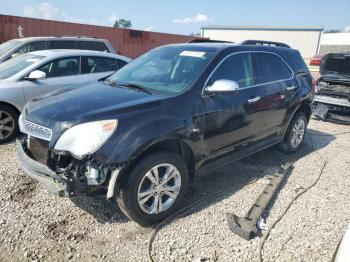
(84, 139)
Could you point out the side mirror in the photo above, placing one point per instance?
(222, 86)
(15, 55)
(36, 75)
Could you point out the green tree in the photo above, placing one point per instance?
(122, 23)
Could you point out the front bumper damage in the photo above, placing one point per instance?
(68, 182)
(332, 109)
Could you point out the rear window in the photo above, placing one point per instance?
(62, 44)
(270, 68)
(93, 45)
(340, 65)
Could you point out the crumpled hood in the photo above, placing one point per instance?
(95, 101)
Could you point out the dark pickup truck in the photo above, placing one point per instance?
(139, 136)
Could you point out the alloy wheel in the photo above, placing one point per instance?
(298, 133)
(159, 188)
(7, 125)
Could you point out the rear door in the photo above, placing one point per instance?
(275, 77)
(232, 119)
(60, 73)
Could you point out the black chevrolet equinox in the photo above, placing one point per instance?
(139, 136)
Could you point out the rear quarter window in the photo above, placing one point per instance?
(62, 44)
(93, 45)
(270, 68)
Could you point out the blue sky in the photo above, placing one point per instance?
(185, 17)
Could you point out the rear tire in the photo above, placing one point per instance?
(154, 189)
(8, 123)
(295, 134)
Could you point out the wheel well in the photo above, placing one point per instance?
(9, 105)
(173, 145)
(305, 108)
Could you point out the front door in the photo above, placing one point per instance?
(60, 73)
(232, 119)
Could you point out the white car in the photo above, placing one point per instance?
(30, 75)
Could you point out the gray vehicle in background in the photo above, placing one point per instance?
(15, 47)
(30, 75)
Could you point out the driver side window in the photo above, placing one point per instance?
(67, 66)
(236, 68)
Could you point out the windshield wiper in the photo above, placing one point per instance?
(135, 86)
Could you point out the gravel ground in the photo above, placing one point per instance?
(38, 226)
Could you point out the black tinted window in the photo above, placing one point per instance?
(36, 46)
(237, 68)
(91, 45)
(270, 68)
(96, 64)
(61, 67)
(63, 44)
(121, 63)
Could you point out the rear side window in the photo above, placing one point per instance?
(237, 68)
(121, 63)
(67, 66)
(36, 46)
(270, 68)
(95, 64)
(62, 44)
(93, 45)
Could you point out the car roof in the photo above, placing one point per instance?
(52, 53)
(36, 38)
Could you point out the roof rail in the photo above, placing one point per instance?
(208, 41)
(262, 42)
(74, 36)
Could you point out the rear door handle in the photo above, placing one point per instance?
(289, 88)
(254, 99)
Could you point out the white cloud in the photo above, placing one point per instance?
(347, 29)
(199, 18)
(150, 28)
(112, 18)
(48, 11)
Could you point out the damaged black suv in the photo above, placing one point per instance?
(139, 136)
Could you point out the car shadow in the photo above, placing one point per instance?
(242, 172)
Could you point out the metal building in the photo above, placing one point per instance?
(305, 39)
(128, 42)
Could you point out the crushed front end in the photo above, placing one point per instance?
(332, 93)
(60, 172)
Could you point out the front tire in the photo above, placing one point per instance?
(8, 124)
(154, 189)
(295, 134)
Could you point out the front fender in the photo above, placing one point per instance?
(133, 139)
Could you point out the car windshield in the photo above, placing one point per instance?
(169, 69)
(17, 64)
(7, 46)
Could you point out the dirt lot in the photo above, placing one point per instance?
(38, 226)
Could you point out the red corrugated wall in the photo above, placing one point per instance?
(121, 39)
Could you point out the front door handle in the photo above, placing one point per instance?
(254, 99)
(289, 88)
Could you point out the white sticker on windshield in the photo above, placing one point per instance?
(192, 53)
(32, 60)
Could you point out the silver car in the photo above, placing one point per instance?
(30, 75)
(15, 47)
